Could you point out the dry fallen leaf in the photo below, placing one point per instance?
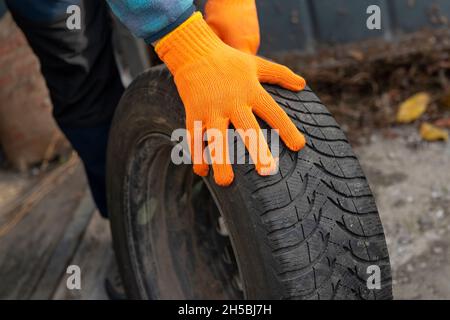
(443, 123)
(356, 55)
(445, 100)
(412, 108)
(429, 132)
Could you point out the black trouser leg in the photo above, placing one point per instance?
(81, 74)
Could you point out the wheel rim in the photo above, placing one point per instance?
(178, 242)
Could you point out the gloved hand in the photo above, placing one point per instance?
(218, 85)
(235, 22)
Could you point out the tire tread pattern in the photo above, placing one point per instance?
(320, 217)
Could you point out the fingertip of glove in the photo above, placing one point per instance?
(298, 143)
(201, 170)
(224, 181)
(300, 83)
(268, 170)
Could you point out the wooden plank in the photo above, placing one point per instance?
(27, 247)
(285, 25)
(14, 210)
(95, 258)
(340, 21)
(65, 250)
(12, 185)
(412, 15)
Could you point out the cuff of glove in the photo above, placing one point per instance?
(191, 41)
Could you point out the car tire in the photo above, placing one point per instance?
(312, 231)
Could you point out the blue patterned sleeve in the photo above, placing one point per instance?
(152, 19)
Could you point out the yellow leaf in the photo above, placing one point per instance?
(429, 132)
(413, 108)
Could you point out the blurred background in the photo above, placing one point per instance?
(389, 89)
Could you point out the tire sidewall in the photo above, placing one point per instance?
(147, 108)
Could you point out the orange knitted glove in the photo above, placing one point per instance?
(235, 22)
(218, 85)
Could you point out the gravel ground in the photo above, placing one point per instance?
(411, 182)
